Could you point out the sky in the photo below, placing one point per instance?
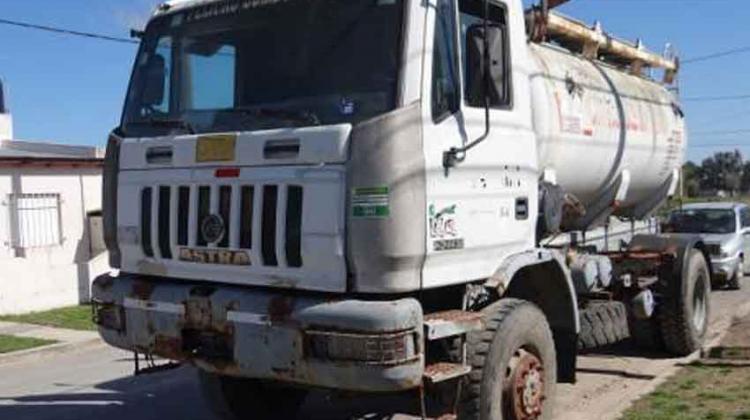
(71, 90)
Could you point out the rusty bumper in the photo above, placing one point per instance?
(314, 340)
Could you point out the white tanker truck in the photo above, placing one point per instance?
(360, 195)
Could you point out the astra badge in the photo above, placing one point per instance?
(212, 228)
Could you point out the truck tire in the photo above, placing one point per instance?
(244, 399)
(646, 334)
(685, 307)
(514, 366)
(603, 324)
(735, 282)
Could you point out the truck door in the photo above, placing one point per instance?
(480, 209)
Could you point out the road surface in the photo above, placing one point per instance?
(95, 383)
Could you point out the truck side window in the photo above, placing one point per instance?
(745, 217)
(471, 12)
(445, 80)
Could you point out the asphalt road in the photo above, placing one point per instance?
(95, 383)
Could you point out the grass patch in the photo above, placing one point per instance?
(698, 392)
(73, 318)
(9, 343)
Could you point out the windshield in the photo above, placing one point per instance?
(250, 65)
(702, 221)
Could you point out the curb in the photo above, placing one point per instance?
(49, 350)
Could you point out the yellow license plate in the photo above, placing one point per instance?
(219, 148)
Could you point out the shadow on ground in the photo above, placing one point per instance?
(176, 395)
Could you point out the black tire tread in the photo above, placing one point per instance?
(735, 282)
(675, 323)
(603, 324)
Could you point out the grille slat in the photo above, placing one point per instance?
(146, 246)
(225, 211)
(263, 219)
(280, 222)
(204, 207)
(234, 221)
(268, 234)
(174, 197)
(183, 216)
(246, 217)
(164, 227)
(294, 227)
(155, 222)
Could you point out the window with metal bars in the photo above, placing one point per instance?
(35, 220)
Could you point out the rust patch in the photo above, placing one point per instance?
(142, 289)
(198, 313)
(169, 347)
(279, 308)
(454, 316)
(439, 369)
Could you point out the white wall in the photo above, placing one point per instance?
(55, 276)
(6, 127)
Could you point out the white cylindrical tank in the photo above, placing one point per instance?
(601, 129)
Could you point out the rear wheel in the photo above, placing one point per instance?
(735, 282)
(244, 399)
(685, 310)
(514, 366)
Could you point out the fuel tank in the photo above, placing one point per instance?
(612, 140)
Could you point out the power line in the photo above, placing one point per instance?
(740, 50)
(68, 32)
(715, 98)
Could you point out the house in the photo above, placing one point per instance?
(51, 242)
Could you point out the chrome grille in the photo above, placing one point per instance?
(265, 220)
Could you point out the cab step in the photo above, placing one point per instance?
(451, 323)
(443, 371)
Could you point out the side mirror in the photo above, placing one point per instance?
(154, 81)
(476, 65)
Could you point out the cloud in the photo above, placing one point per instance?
(133, 14)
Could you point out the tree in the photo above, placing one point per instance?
(745, 181)
(691, 182)
(722, 172)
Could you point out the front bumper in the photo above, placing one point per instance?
(312, 340)
(725, 268)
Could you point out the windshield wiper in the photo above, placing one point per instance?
(166, 123)
(302, 116)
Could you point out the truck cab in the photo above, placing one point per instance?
(346, 195)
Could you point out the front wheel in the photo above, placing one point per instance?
(245, 399)
(514, 366)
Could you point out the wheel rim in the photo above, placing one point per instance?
(524, 386)
(699, 303)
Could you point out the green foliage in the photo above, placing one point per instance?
(9, 343)
(698, 392)
(73, 318)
